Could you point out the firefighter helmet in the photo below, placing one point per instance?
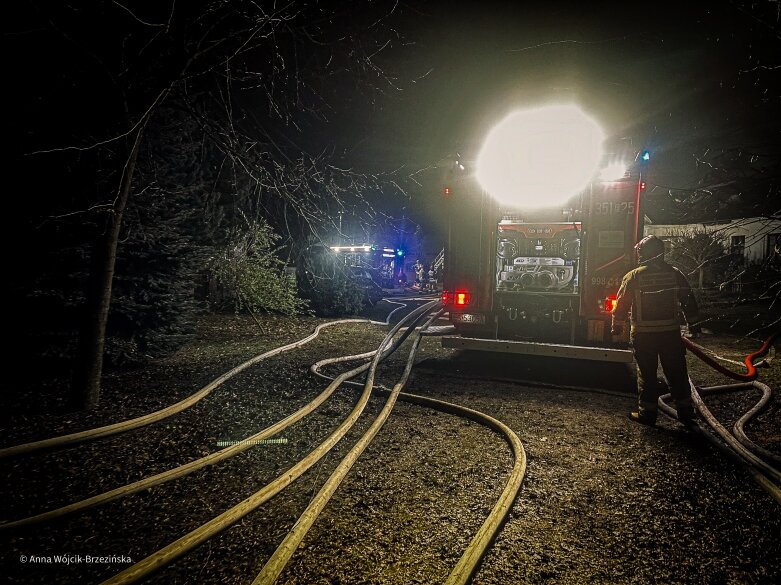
(648, 249)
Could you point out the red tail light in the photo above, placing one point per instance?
(459, 298)
(610, 303)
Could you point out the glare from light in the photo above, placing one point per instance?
(613, 172)
(540, 157)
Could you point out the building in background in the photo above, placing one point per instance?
(755, 239)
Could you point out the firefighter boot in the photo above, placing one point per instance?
(686, 416)
(641, 418)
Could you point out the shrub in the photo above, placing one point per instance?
(250, 276)
(327, 283)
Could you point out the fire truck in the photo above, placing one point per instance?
(540, 281)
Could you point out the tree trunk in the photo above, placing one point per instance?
(85, 389)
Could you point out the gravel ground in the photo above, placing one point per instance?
(604, 500)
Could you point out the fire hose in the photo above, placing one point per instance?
(760, 462)
(751, 370)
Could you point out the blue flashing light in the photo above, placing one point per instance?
(399, 252)
(646, 156)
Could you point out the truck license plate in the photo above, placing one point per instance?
(469, 318)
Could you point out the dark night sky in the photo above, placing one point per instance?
(666, 74)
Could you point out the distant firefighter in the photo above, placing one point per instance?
(418, 268)
(432, 278)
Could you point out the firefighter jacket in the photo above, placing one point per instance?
(654, 292)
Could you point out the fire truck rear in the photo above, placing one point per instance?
(540, 281)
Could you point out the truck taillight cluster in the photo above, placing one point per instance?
(459, 298)
(610, 303)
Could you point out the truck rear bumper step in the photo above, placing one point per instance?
(577, 352)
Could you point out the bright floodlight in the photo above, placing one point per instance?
(540, 157)
(613, 172)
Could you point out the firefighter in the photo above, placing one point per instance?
(418, 268)
(654, 291)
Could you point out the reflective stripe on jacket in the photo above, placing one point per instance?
(654, 293)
